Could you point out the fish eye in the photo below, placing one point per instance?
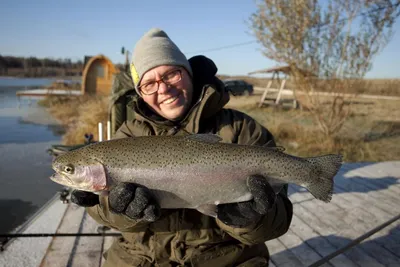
(69, 168)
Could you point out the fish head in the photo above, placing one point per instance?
(79, 172)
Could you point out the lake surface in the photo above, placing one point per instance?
(24, 82)
(26, 132)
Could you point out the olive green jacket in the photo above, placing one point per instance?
(187, 237)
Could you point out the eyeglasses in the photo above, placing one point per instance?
(168, 78)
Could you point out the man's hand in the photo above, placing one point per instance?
(84, 199)
(134, 201)
(245, 213)
(131, 200)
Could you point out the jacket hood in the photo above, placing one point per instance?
(209, 97)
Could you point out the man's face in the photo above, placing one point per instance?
(174, 94)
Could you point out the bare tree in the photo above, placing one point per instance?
(335, 40)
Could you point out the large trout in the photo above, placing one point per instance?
(194, 171)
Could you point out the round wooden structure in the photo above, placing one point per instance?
(98, 76)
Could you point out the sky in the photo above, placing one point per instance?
(73, 29)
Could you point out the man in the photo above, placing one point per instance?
(181, 97)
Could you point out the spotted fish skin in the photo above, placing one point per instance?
(195, 170)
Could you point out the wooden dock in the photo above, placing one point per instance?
(366, 195)
(47, 92)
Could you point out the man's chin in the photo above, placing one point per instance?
(175, 114)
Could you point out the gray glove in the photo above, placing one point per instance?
(136, 202)
(243, 214)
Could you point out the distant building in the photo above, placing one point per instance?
(86, 60)
(98, 75)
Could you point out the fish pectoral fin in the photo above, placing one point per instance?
(208, 209)
(209, 138)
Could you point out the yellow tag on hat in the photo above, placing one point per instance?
(134, 74)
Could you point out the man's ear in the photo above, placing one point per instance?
(204, 69)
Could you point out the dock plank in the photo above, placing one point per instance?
(321, 223)
(29, 251)
(79, 250)
(366, 186)
(364, 198)
(281, 256)
(368, 208)
(383, 199)
(362, 222)
(375, 203)
(47, 92)
(59, 251)
(88, 249)
(319, 243)
(372, 206)
(390, 241)
(382, 176)
(306, 254)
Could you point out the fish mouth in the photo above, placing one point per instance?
(60, 179)
(55, 177)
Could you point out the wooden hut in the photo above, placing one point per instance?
(98, 75)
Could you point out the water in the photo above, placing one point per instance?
(24, 82)
(26, 132)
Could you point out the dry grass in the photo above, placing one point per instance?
(79, 115)
(370, 134)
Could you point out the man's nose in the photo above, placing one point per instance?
(162, 87)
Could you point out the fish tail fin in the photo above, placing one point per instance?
(324, 171)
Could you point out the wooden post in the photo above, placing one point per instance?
(100, 128)
(294, 102)
(266, 91)
(264, 95)
(278, 98)
(108, 130)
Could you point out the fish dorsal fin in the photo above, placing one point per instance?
(278, 148)
(267, 143)
(209, 138)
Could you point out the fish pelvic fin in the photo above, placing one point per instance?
(208, 209)
(324, 170)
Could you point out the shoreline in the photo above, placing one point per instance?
(73, 78)
(42, 77)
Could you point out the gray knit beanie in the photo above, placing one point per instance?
(155, 48)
